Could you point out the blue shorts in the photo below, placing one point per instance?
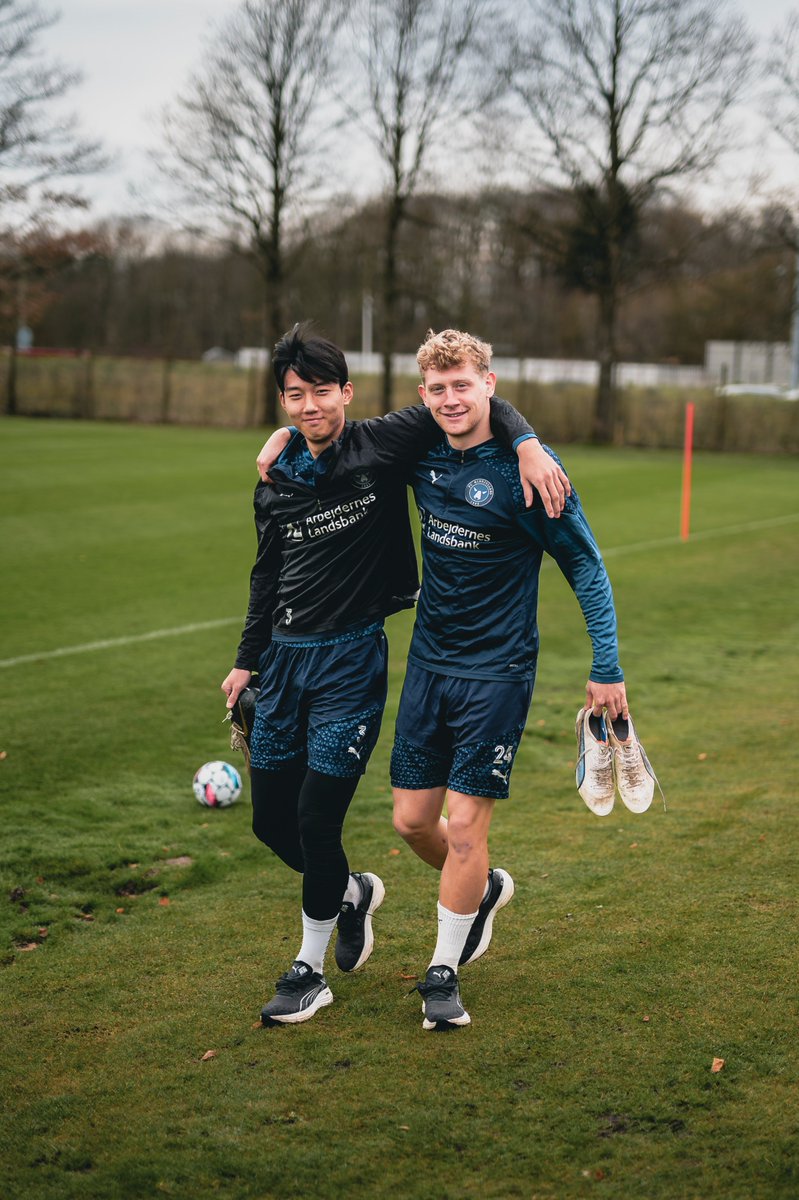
(320, 704)
(458, 733)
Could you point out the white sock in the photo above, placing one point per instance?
(353, 893)
(315, 936)
(453, 930)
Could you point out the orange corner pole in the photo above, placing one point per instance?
(687, 459)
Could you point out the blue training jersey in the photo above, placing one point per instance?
(482, 552)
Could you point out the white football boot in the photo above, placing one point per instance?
(594, 772)
(635, 778)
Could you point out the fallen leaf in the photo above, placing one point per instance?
(132, 866)
(183, 860)
(541, 722)
(85, 916)
(208, 1054)
(3, 755)
(224, 854)
(39, 879)
(164, 901)
(701, 757)
(633, 845)
(43, 931)
(120, 910)
(29, 946)
(393, 853)
(204, 825)
(405, 1127)
(718, 1063)
(257, 1025)
(545, 876)
(408, 976)
(646, 1018)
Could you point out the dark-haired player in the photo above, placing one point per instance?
(335, 557)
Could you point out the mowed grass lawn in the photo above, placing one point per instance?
(637, 949)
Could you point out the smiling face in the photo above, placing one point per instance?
(458, 398)
(316, 408)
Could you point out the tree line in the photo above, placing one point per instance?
(469, 261)
(605, 107)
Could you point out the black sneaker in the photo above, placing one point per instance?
(441, 1001)
(355, 940)
(500, 893)
(298, 995)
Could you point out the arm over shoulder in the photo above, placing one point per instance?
(508, 425)
(399, 439)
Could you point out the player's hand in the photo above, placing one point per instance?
(611, 696)
(271, 452)
(234, 684)
(540, 471)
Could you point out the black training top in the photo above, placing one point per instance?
(335, 549)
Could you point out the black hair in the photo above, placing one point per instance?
(314, 358)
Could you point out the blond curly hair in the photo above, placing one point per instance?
(452, 348)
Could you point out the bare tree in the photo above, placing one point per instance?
(40, 153)
(782, 66)
(241, 138)
(416, 63)
(37, 146)
(626, 96)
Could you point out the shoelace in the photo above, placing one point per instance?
(238, 739)
(288, 984)
(605, 766)
(434, 991)
(633, 766)
(350, 916)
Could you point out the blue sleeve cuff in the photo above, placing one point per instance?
(613, 676)
(518, 441)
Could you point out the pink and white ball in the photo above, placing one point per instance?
(217, 785)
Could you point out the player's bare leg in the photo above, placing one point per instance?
(465, 869)
(463, 885)
(418, 821)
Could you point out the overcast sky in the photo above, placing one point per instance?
(136, 54)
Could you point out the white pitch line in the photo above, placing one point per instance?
(108, 643)
(177, 630)
(704, 535)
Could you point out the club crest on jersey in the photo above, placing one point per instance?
(479, 492)
(362, 480)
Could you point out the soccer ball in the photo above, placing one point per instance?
(217, 784)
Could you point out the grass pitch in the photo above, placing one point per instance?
(139, 931)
